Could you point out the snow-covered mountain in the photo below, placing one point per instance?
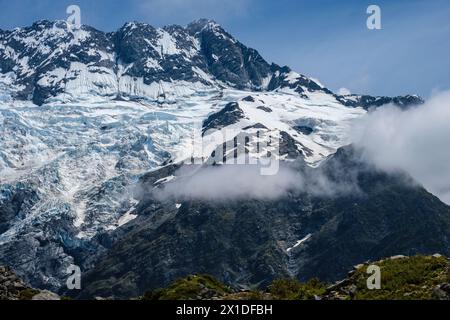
(51, 60)
(84, 114)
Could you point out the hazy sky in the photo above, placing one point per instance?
(325, 39)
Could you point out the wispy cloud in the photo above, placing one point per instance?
(415, 140)
(241, 182)
(343, 91)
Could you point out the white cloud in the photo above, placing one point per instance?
(240, 182)
(230, 182)
(344, 92)
(416, 140)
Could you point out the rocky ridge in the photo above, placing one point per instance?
(13, 288)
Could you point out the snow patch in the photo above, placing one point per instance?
(167, 44)
(127, 217)
(299, 242)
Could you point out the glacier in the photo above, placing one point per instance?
(71, 151)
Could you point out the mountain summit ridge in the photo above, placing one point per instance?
(50, 58)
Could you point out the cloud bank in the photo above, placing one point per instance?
(241, 182)
(230, 182)
(416, 140)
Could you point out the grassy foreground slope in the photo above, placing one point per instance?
(402, 278)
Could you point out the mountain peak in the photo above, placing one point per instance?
(201, 24)
(204, 22)
(202, 52)
(134, 25)
(47, 24)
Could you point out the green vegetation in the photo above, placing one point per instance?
(190, 288)
(27, 294)
(408, 278)
(402, 278)
(291, 289)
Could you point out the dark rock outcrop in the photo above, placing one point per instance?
(13, 288)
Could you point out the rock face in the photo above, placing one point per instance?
(229, 115)
(46, 296)
(442, 291)
(367, 101)
(10, 285)
(13, 288)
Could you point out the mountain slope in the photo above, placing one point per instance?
(85, 114)
(252, 242)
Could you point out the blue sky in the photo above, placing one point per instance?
(325, 39)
